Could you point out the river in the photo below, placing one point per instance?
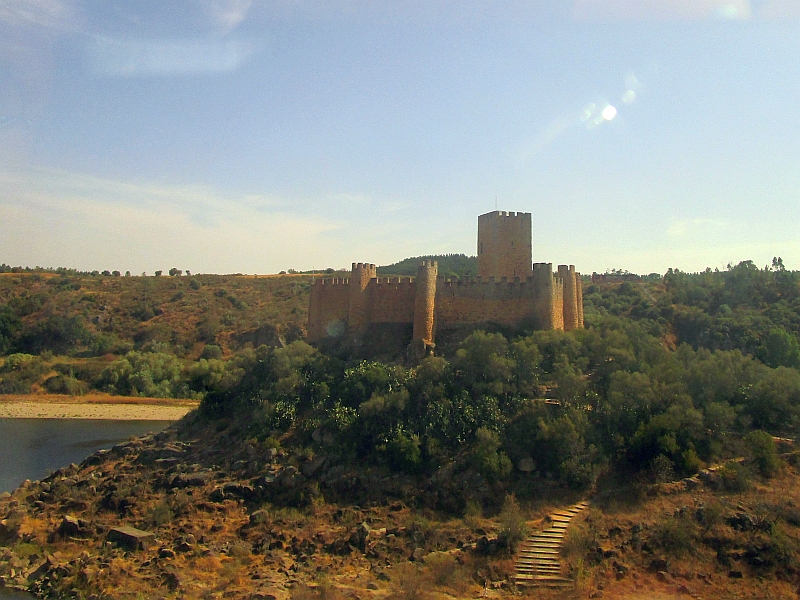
(33, 448)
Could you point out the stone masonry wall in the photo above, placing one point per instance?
(392, 299)
(504, 245)
(327, 308)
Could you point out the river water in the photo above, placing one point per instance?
(33, 448)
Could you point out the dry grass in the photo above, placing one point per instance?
(94, 398)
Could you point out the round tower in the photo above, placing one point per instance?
(358, 308)
(424, 300)
(567, 273)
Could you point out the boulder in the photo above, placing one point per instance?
(131, 538)
(526, 465)
(72, 527)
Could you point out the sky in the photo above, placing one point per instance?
(254, 136)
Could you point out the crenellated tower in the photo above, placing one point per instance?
(358, 309)
(504, 245)
(571, 319)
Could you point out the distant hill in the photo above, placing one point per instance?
(450, 265)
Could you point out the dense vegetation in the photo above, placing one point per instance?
(667, 375)
(665, 378)
(450, 265)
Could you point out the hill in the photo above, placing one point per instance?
(450, 265)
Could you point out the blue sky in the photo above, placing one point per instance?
(246, 136)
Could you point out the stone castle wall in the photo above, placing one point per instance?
(539, 297)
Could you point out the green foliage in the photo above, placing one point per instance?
(762, 449)
(450, 265)
(734, 477)
(513, 527)
(64, 384)
(487, 457)
(676, 535)
(152, 374)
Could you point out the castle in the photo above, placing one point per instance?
(509, 291)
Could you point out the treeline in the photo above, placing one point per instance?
(561, 406)
(450, 265)
(66, 333)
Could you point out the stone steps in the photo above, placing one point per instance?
(538, 562)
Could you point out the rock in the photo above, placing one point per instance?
(184, 480)
(131, 538)
(8, 533)
(171, 581)
(239, 490)
(372, 586)
(382, 576)
(72, 527)
(735, 574)
(259, 516)
(664, 577)
(418, 555)
(311, 467)
(684, 589)
(658, 564)
(526, 465)
(166, 553)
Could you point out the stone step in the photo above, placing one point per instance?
(553, 578)
(529, 568)
(539, 561)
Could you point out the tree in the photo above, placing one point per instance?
(158, 273)
(173, 272)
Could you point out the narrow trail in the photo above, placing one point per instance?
(538, 561)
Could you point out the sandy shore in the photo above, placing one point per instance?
(117, 408)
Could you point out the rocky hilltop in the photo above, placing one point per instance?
(190, 512)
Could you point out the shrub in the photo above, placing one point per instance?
(64, 384)
(734, 477)
(674, 535)
(762, 449)
(513, 527)
(473, 513)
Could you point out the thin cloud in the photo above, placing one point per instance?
(228, 14)
(660, 10)
(39, 13)
(705, 228)
(145, 58)
(57, 218)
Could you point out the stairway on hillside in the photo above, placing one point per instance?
(538, 561)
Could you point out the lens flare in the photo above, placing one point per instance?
(609, 112)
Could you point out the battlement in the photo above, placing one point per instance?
(392, 281)
(331, 281)
(366, 266)
(503, 213)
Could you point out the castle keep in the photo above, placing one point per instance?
(509, 290)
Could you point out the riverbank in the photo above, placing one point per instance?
(115, 408)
